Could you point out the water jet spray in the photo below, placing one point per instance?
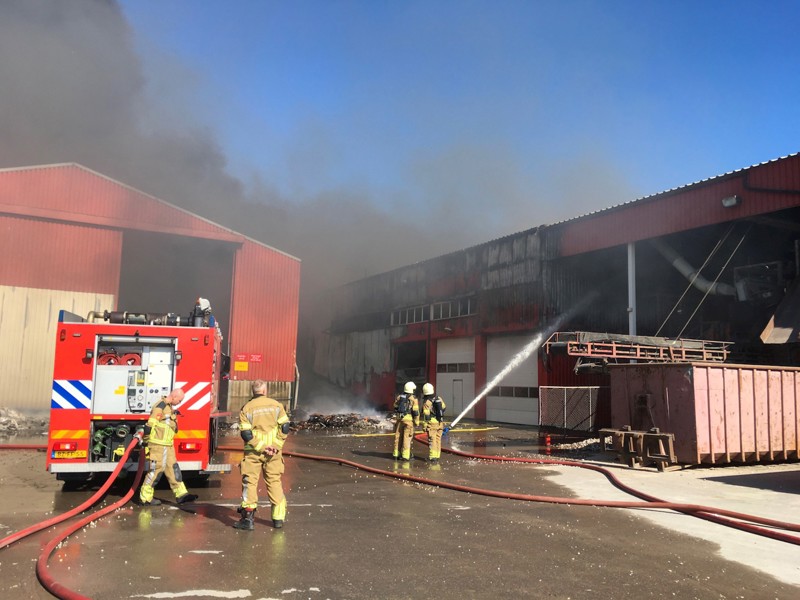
(523, 354)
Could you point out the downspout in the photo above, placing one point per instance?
(296, 387)
(631, 288)
(688, 271)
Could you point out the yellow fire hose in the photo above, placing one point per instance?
(451, 431)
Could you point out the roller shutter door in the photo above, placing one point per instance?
(455, 374)
(515, 398)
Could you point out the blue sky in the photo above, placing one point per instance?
(572, 105)
(365, 135)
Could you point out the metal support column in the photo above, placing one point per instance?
(631, 288)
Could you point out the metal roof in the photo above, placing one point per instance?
(622, 206)
(674, 190)
(90, 205)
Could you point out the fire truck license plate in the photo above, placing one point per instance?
(70, 454)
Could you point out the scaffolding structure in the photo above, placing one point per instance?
(616, 347)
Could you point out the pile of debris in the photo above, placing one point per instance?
(13, 423)
(338, 421)
(588, 446)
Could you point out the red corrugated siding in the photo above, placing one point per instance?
(764, 188)
(559, 370)
(73, 193)
(264, 312)
(59, 256)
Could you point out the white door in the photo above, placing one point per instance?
(455, 375)
(515, 398)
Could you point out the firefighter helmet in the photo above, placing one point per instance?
(409, 387)
(427, 389)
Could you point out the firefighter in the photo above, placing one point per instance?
(264, 426)
(158, 434)
(406, 409)
(433, 421)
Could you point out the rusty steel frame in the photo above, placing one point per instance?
(640, 348)
(641, 448)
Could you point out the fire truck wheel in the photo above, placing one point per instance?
(196, 479)
(75, 482)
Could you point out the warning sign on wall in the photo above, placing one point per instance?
(242, 360)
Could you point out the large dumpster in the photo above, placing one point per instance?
(718, 413)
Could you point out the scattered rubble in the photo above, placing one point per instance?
(339, 421)
(13, 423)
(588, 444)
(578, 448)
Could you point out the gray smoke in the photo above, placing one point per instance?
(74, 90)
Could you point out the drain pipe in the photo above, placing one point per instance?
(631, 288)
(688, 271)
(296, 387)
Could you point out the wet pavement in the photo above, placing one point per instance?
(351, 534)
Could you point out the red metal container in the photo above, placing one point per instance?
(719, 413)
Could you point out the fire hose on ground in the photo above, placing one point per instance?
(736, 520)
(42, 571)
(744, 522)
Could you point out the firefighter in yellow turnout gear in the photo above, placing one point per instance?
(433, 421)
(406, 408)
(159, 434)
(264, 426)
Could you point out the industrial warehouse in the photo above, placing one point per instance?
(665, 324)
(88, 244)
(705, 272)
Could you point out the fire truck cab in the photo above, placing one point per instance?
(112, 368)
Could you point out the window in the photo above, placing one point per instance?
(455, 368)
(438, 311)
(450, 309)
(510, 391)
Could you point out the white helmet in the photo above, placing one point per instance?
(427, 389)
(409, 387)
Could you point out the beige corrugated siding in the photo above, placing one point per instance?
(240, 392)
(28, 320)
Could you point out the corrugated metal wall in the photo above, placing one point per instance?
(763, 189)
(60, 256)
(71, 192)
(240, 392)
(347, 359)
(264, 312)
(62, 228)
(47, 267)
(29, 316)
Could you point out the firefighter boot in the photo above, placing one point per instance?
(186, 498)
(247, 521)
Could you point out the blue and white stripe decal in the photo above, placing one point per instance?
(71, 393)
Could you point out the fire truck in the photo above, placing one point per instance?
(111, 368)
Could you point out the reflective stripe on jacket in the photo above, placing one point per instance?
(264, 417)
(163, 424)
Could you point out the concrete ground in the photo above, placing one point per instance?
(351, 534)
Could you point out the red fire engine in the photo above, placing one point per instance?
(111, 368)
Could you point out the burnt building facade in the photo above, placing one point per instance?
(713, 260)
